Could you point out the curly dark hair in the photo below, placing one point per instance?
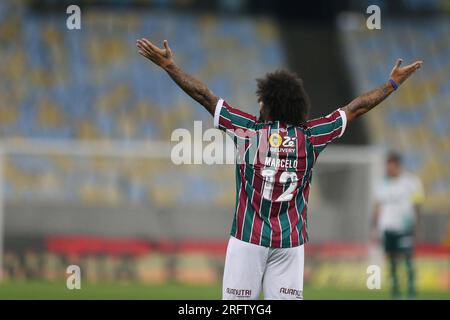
(284, 97)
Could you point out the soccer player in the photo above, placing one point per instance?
(396, 214)
(277, 153)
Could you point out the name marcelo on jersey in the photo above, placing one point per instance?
(281, 163)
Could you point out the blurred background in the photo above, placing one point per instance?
(85, 141)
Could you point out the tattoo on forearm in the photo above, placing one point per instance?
(368, 100)
(196, 89)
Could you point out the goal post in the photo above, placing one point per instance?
(342, 191)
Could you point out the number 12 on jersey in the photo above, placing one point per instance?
(269, 181)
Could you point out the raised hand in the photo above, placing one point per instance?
(193, 87)
(160, 57)
(372, 98)
(400, 74)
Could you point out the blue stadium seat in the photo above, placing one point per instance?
(93, 85)
(417, 117)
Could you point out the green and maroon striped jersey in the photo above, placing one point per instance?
(273, 173)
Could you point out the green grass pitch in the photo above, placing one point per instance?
(58, 290)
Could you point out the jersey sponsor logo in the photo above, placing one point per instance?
(240, 293)
(292, 292)
(281, 144)
(289, 142)
(275, 140)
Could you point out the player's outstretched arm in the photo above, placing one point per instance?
(369, 100)
(164, 59)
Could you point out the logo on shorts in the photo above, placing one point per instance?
(239, 293)
(292, 292)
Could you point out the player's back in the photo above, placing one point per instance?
(273, 173)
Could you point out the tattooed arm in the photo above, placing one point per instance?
(163, 58)
(369, 100)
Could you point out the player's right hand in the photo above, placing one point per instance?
(160, 57)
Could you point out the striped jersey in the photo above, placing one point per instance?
(274, 167)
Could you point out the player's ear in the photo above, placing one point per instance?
(262, 111)
(261, 104)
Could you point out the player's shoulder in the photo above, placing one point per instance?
(384, 183)
(411, 181)
(331, 116)
(410, 177)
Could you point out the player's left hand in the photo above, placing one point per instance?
(400, 74)
(160, 57)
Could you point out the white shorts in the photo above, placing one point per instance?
(249, 267)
